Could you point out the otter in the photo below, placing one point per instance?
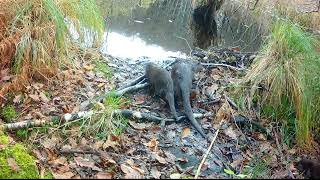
(161, 85)
(182, 76)
(311, 168)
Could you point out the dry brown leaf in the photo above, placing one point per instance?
(17, 99)
(139, 99)
(43, 97)
(153, 144)
(110, 143)
(230, 132)
(159, 158)
(66, 175)
(105, 157)
(223, 114)
(59, 161)
(86, 163)
(104, 175)
(130, 173)
(88, 67)
(13, 164)
(155, 173)
(185, 132)
(34, 97)
(97, 145)
(212, 89)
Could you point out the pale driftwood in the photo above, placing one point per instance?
(124, 91)
(134, 82)
(223, 65)
(68, 117)
(148, 117)
(23, 124)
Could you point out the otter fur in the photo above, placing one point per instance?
(161, 85)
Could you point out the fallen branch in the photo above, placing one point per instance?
(23, 124)
(223, 65)
(124, 91)
(208, 151)
(148, 117)
(233, 104)
(134, 82)
(69, 117)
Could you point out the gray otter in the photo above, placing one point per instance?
(182, 76)
(161, 84)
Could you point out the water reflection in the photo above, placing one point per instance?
(134, 47)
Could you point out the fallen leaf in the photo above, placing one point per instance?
(185, 132)
(43, 97)
(159, 158)
(88, 67)
(66, 175)
(222, 114)
(86, 163)
(292, 151)
(184, 160)
(170, 157)
(97, 145)
(34, 97)
(212, 89)
(59, 161)
(104, 175)
(139, 99)
(153, 144)
(13, 164)
(130, 173)
(17, 99)
(175, 176)
(110, 143)
(155, 173)
(230, 132)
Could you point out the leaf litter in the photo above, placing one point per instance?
(143, 150)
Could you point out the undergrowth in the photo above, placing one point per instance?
(103, 120)
(289, 68)
(41, 39)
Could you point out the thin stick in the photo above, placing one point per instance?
(207, 153)
(223, 65)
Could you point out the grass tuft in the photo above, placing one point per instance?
(289, 66)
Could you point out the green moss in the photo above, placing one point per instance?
(26, 163)
(48, 175)
(9, 113)
(22, 134)
(4, 140)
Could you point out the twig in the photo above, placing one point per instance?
(134, 82)
(147, 116)
(124, 90)
(223, 65)
(233, 104)
(187, 43)
(1, 96)
(207, 153)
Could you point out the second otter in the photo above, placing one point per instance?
(182, 76)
